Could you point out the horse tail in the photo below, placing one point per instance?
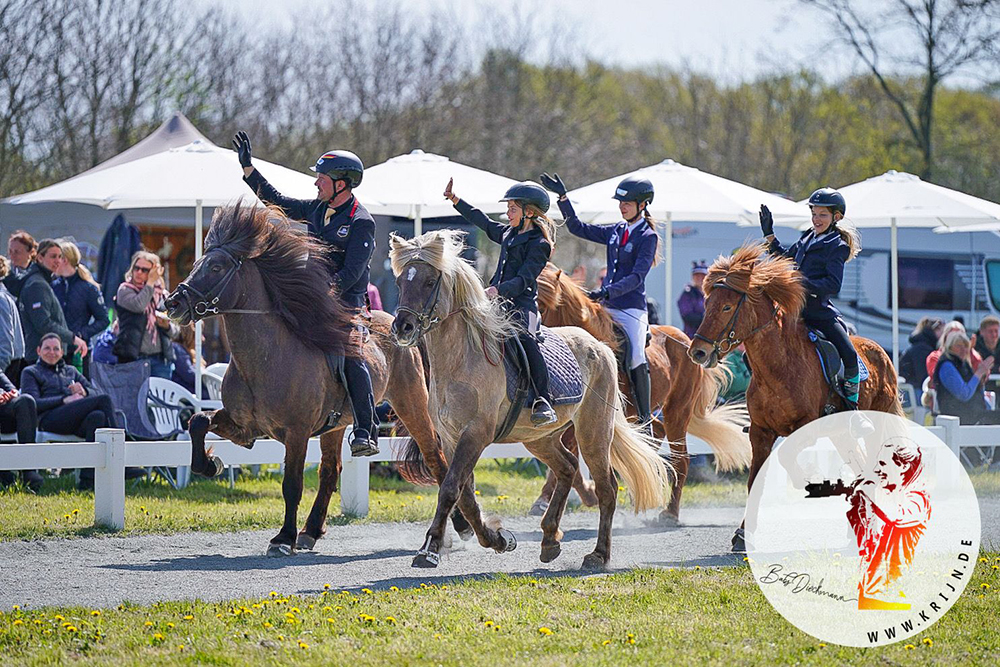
(721, 426)
(412, 467)
(634, 456)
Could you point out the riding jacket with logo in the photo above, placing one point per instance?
(628, 261)
(523, 255)
(348, 229)
(821, 260)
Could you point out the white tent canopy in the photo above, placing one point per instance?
(690, 195)
(411, 186)
(897, 199)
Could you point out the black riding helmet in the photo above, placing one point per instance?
(528, 192)
(830, 198)
(341, 166)
(633, 188)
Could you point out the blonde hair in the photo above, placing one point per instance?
(655, 226)
(849, 233)
(71, 253)
(952, 338)
(141, 254)
(949, 328)
(544, 223)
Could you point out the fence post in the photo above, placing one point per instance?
(109, 480)
(354, 486)
(950, 425)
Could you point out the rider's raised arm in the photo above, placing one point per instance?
(493, 229)
(296, 209)
(357, 255)
(526, 280)
(596, 233)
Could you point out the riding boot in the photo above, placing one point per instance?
(542, 413)
(364, 438)
(850, 388)
(640, 393)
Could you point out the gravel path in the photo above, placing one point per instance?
(104, 571)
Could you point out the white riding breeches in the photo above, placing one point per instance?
(635, 322)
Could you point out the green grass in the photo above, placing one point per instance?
(655, 617)
(505, 488)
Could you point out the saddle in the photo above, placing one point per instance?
(565, 379)
(335, 362)
(624, 351)
(833, 367)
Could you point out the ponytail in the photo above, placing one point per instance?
(71, 253)
(651, 222)
(851, 236)
(542, 222)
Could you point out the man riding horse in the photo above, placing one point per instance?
(339, 220)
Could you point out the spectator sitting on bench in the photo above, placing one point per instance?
(65, 399)
(17, 413)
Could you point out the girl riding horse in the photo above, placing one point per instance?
(632, 246)
(525, 247)
(820, 255)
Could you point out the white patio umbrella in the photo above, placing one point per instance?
(410, 186)
(686, 194)
(897, 199)
(198, 174)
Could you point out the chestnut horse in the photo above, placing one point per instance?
(269, 284)
(756, 299)
(685, 393)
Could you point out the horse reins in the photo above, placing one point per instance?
(207, 302)
(728, 340)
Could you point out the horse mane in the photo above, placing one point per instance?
(569, 305)
(442, 249)
(751, 270)
(294, 269)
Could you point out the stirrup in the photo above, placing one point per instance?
(542, 413)
(363, 444)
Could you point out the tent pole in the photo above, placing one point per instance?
(198, 250)
(668, 269)
(894, 259)
(418, 222)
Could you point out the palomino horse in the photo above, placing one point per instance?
(442, 301)
(269, 285)
(756, 299)
(685, 392)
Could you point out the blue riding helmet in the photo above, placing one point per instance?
(830, 198)
(633, 188)
(341, 166)
(528, 192)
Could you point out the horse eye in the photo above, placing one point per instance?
(726, 308)
(429, 283)
(216, 268)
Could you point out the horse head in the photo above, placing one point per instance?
(420, 266)
(211, 288)
(743, 295)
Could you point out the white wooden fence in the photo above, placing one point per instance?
(111, 454)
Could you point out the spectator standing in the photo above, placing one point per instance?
(692, 300)
(17, 413)
(81, 300)
(932, 358)
(40, 311)
(144, 330)
(923, 341)
(21, 249)
(960, 384)
(11, 335)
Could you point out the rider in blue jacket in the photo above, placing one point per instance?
(525, 246)
(338, 220)
(631, 247)
(820, 254)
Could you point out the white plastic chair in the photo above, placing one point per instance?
(165, 400)
(217, 369)
(212, 384)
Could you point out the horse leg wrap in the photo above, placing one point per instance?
(508, 539)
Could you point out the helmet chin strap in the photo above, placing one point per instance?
(638, 213)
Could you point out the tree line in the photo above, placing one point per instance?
(82, 80)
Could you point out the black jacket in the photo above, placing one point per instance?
(49, 385)
(821, 261)
(349, 231)
(131, 328)
(986, 352)
(522, 257)
(41, 312)
(913, 363)
(82, 304)
(14, 280)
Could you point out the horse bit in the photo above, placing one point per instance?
(207, 302)
(728, 341)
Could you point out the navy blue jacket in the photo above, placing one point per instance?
(49, 385)
(627, 265)
(120, 242)
(82, 304)
(523, 255)
(821, 261)
(350, 233)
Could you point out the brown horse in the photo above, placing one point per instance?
(756, 299)
(685, 392)
(269, 285)
(442, 301)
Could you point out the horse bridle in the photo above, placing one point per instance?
(725, 343)
(426, 319)
(204, 304)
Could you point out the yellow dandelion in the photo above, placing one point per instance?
(390, 620)
(15, 607)
(189, 617)
(984, 560)
(329, 620)
(180, 647)
(328, 608)
(219, 615)
(66, 516)
(822, 645)
(267, 625)
(985, 587)
(545, 631)
(274, 594)
(303, 645)
(326, 587)
(75, 512)
(606, 642)
(927, 641)
(697, 567)
(366, 591)
(394, 589)
(296, 610)
(18, 622)
(909, 647)
(290, 615)
(170, 626)
(148, 624)
(488, 624)
(96, 612)
(158, 637)
(477, 492)
(281, 638)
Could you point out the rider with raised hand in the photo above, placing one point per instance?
(339, 220)
(632, 246)
(820, 255)
(525, 246)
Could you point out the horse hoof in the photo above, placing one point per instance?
(466, 535)
(550, 553)
(739, 542)
(216, 466)
(539, 508)
(666, 520)
(593, 562)
(280, 550)
(305, 542)
(426, 559)
(507, 540)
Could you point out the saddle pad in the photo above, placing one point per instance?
(829, 358)
(565, 380)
